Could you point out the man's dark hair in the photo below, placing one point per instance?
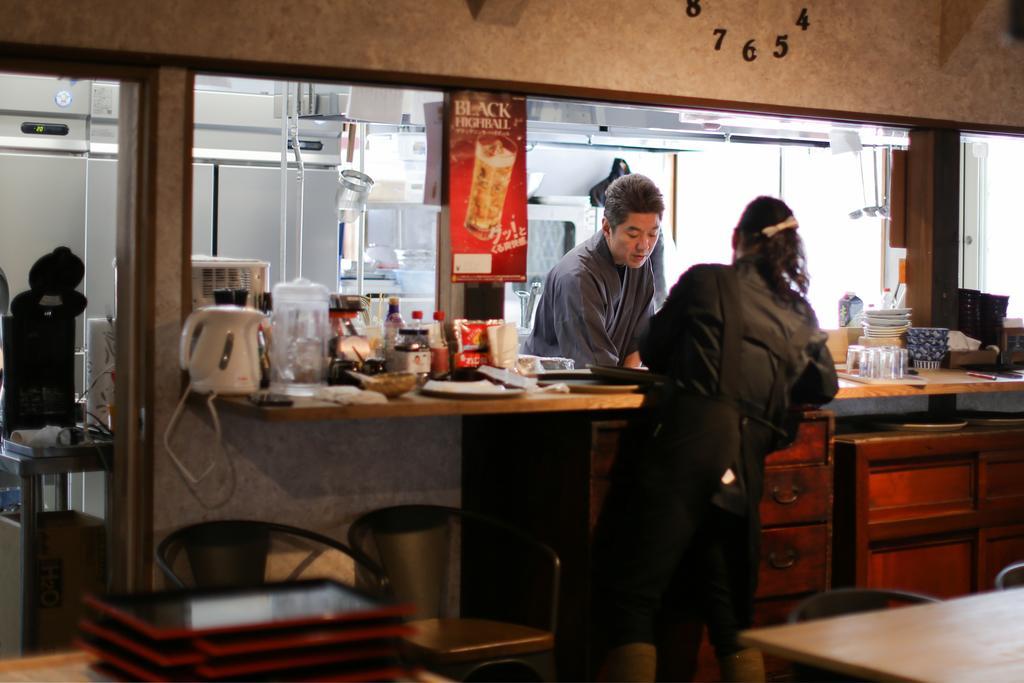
(633, 193)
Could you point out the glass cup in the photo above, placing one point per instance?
(890, 361)
(901, 363)
(492, 171)
(853, 354)
(882, 362)
(868, 362)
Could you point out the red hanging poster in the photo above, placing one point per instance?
(487, 186)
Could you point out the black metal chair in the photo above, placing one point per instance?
(842, 601)
(250, 552)
(1010, 576)
(486, 593)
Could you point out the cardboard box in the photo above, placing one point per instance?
(956, 359)
(853, 333)
(838, 342)
(70, 562)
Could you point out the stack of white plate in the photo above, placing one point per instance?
(886, 323)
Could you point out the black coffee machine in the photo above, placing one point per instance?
(39, 345)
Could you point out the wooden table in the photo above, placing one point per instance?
(975, 638)
(72, 667)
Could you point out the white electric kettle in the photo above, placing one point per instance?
(224, 358)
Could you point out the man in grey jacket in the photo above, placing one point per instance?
(599, 298)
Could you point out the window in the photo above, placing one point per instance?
(993, 224)
(242, 194)
(843, 253)
(59, 162)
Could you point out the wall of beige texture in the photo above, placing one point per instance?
(939, 60)
(944, 60)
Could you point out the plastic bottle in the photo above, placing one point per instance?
(417, 320)
(393, 322)
(887, 298)
(411, 353)
(440, 361)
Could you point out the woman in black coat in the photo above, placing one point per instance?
(679, 533)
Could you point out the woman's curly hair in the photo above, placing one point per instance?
(779, 258)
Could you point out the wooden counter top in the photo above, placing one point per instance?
(937, 382)
(414, 405)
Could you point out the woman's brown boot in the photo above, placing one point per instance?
(743, 666)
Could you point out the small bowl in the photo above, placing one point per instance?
(391, 384)
(927, 352)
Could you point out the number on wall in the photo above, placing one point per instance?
(802, 21)
(780, 42)
(694, 8)
(749, 51)
(720, 32)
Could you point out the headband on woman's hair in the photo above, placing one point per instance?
(788, 224)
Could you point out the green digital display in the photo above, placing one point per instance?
(31, 128)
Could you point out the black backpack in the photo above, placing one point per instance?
(619, 169)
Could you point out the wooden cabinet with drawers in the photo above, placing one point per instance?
(550, 474)
(936, 513)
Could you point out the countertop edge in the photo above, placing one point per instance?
(940, 382)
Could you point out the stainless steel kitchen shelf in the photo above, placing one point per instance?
(30, 465)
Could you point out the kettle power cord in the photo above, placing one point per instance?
(192, 481)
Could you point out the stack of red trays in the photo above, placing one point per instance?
(299, 630)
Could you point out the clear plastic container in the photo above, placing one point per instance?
(350, 197)
(300, 325)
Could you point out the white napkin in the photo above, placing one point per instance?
(347, 395)
(958, 341)
(556, 388)
(481, 386)
(51, 435)
(502, 345)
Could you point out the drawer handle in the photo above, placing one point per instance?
(789, 559)
(785, 500)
